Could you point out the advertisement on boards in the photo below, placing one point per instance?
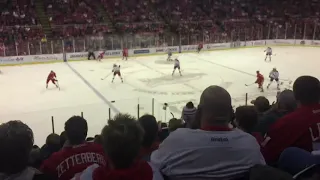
(141, 51)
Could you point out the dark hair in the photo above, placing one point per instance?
(150, 126)
(306, 90)
(97, 139)
(122, 139)
(53, 139)
(63, 138)
(89, 139)
(175, 124)
(16, 144)
(246, 118)
(163, 125)
(190, 105)
(76, 130)
(35, 158)
(262, 104)
(52, 145)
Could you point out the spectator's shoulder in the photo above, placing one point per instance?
(156, 173)
(286, 120)
(87, 174)
(243, 137)
(180, 133)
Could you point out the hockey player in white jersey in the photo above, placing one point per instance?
(274, 76)
(268, 53)
(116, 71)
(176, 66)
(169, 55)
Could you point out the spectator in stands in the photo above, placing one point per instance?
(214, 151)
(163, 131)
(175, 124)
(122, 139)
(262, 105)
(299, 128)
(246, 118)
(97, 139)
(150, 139)
(189, 114)
(286, 103)
(77, 154)
(294, 160)
(35, 159)
(90, 139)
(16, 144)
(63, 138)
(52, 145)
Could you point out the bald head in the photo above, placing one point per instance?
(216, 100)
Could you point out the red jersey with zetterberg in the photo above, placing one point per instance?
(52, 75)
(300, 128)
(69, 161)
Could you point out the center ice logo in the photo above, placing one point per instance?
(166, 80)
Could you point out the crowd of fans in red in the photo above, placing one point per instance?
(259, 142)
(77, 18)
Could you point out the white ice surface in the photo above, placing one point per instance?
(23, 95)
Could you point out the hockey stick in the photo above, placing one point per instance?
(106, 76)
(172, 114)
(249, 84)
(58, 84)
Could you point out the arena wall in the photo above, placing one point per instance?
(80, 56)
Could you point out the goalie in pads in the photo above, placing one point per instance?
(274, 76)
(116, 72)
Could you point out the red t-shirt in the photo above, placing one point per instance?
(71, 160)
(300, 128)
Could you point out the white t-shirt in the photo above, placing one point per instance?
(198, 154)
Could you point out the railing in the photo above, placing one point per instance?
(304, 30)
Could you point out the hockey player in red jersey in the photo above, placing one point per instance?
(53, 78)
(101, 56)
(125, 54)
(200, 46)
(260, 80)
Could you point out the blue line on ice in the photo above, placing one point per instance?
(113, 108)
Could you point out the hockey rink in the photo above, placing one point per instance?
(23, 95)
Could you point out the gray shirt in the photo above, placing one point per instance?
(199, 155)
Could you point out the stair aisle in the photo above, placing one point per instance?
(43, 18)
